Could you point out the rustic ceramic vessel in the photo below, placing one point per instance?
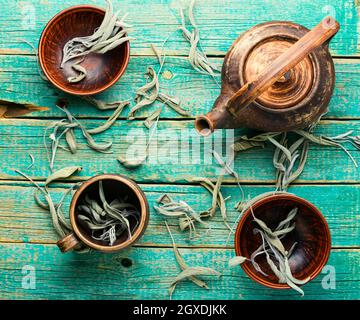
(114, 186)
(311, 233)
(277, 76)
(103, 69)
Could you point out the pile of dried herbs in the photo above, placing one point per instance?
(65, 129)
(109, 35)
(187, 216)
(218, 200)
(277, 257)
(107, 222)
(149, 93)
(197, 57)
(289, 159)
(182, 211)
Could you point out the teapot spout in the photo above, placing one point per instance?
(218, 118)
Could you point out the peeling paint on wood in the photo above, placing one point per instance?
(21, 217)
(21, 83)
(72, 276)
(330, 180)
(168, 160)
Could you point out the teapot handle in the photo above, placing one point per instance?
(323, 32)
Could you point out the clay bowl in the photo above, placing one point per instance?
(114, 186)
(311, 233)
(103, 69)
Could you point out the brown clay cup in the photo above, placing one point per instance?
(103, 70)
(311, 234)
(114, 186)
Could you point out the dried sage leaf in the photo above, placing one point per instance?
(71, 140)
(99, 147)
(286, 152)
(150, 120)
(101, 105)
(62, 174)
(174, 103)
(288, 219)
(290, 276)
(186, 214)
(59, 222)
(82, 74)
(132, 163)
(158, 55)
(191, 272)
(32, 159)
(110, 121)
(147, 94)
(195, 271)
(236, 261)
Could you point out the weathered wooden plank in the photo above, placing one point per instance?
(105, 276)
(20, 83)
(220, 22)
(25, 230)
(21, 220)
(176, 153)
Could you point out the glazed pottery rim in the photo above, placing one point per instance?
(326, 252)
(79, 92)
(145, 212)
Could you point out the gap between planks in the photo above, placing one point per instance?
(162, 246)
(149, 53)
(244, 183)
(29, 117)
(302, 183)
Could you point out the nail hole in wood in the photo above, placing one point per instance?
(127, 263)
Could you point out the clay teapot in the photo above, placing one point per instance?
(277, 76)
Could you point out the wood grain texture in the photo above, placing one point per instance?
(330, 180)
(21, 220)
(169, 160)
(220, 22)
(20, 82)
(101, 276)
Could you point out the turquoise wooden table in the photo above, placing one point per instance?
(27, 239)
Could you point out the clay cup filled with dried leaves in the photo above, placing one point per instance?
(84, 50)
(107, 213)
(282, 242)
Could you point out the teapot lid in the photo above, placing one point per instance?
(260, 46)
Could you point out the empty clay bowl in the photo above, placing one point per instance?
(311, 233)
(103, 70)
(115, 186)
